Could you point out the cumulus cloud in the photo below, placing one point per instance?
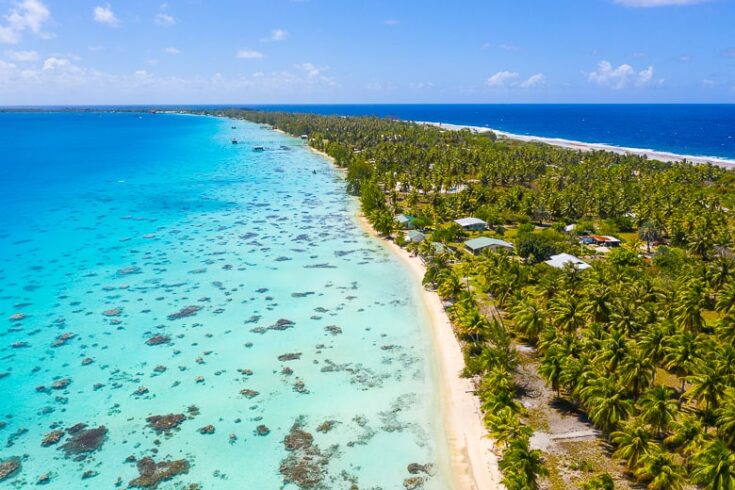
(314, 72)
(28, 15)
(59, 78)
(22, 56)
(276, 35)
(172, 51)
(502, 78)
(249, 54)
(621, 76)
(105, 15)
(54, 63)
(164, 19)
(533, 81)
(657, 3)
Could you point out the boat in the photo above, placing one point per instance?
(258, 148)
(234, 141)
(234, 127)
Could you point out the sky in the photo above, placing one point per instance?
(68, 52)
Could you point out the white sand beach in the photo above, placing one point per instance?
(473, 464)
(578, 145)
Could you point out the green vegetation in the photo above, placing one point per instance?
(643, 342)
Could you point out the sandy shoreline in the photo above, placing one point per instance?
(578, 145)
(473, 465)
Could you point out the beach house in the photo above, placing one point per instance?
(415, 236)
(604, 240)
(471, 224)
(477, 245)
(561, 260)
(405, 222)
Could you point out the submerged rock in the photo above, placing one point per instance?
(305, 466)
(9, 467)
(290, 356)
(184, 312)
(164, 423)
(158, 340)
(152, 473)
(85, 441)
(52, 438)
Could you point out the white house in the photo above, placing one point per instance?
(560, 261)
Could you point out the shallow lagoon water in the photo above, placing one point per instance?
(113, 226)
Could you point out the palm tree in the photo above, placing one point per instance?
(521, 466)
(714, 466)
(686, 435)
(688, 311)
(637, 371)
(606, 403)
(567, 313)
(726, 298)
(633, 441)
(505, 426)
(529, 318)
(551, 368)
(648, 232)
(707, 386)
(603, 481)
(658, 408)
(726, 417)
(682, 355)
(660, 471)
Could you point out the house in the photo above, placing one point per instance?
(560, 261)
(405, 222)
(477, 245)
(570, 228)
(471, 224)
(605, 240)
(439, 247)
(415, 236)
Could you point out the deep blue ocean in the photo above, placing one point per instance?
(686, 129)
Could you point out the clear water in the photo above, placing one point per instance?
(150, 214)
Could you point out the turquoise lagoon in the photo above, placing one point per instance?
(246, 269)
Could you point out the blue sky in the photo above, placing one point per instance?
(370, 51)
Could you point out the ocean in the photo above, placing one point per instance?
(167, 294)
(706, 130)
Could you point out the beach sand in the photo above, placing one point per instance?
(473, 464)
(580, 146)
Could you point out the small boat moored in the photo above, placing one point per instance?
(234, 141)
(258, 148)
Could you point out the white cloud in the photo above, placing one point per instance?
(501, 78)
(172, 51)
(391, 22)
(164, 19)
(707, 83)
(22, 56)
(657, 3)
(54, 63)
(105, 15)
(534, 80)
(276, 35)
(28, 15)
(621, 76)
(249, 54)
(314, 72)
(421, 85)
